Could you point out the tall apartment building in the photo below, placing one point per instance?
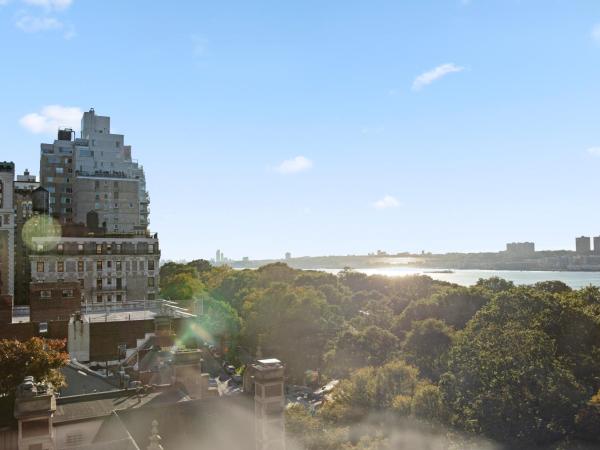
(583, 245)
(597, 245)
(7, 228)
(98, 194)
(95, 173)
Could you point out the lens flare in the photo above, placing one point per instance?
(44, 228)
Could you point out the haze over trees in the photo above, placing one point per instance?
(518, 366)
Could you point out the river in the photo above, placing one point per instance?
(467, 277)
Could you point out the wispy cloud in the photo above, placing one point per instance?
(595, 33)
(594, 151)
(31, 24)
(294, 165)
(435, 74)
(50, 4)
(386, 202)
(52, 117)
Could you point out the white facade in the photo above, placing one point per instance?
(111, 271)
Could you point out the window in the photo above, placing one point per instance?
(109, 281)
(99, 265)
(60, 266)
(150, 248)
(45, 294)
(80, 266)
(119, 297)
(108, 248)
(98, 299)
(118, 265)
(60, 248)
(80, 248)
(150, 281)
(82, 283)
(109, 264)
(99, 283)
(119, 283)
(98, 249)
(67, 293)
(118, 249)
(40, 266)
(151, 264)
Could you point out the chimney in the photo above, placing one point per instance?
(269, 403)
(35, 405)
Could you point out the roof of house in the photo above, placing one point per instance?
(90, 406)
(81, 380)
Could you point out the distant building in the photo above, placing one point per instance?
(583, 245)
(520, 248)
(218, 256)
(288, 255)
(597, 245)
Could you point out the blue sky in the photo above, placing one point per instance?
(326, 127)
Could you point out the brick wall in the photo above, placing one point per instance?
(105, 337)
(53, 301)
(5, 309)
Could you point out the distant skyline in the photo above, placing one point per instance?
(325, 128)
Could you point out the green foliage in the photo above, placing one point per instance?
(182, 287)
(293, 323)
(495, 284)
(371, 389)
(520, 368)
(454, 306)
(511, 376)
(36, 357)
(427, 345)
(427, 403)
(355, 349)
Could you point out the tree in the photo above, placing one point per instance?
(290, 323)
(36, 357)
(427, 403)
(182, 287)
(220, 323)
(371, 389)
(513, 372)
(426, 346)
(354, 349)
(495, 284)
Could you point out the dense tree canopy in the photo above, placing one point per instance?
(36, 357)
(518, 365)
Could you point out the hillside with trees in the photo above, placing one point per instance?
(493, 365)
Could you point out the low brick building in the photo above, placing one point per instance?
(54, 301)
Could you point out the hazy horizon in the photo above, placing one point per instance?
(326, 129)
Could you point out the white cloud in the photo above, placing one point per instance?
(594, 151)
(31, 24)
(294, 165)
(595, 34)
(51, 118)
(387, 202)
(50, 4)
(435, 74)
